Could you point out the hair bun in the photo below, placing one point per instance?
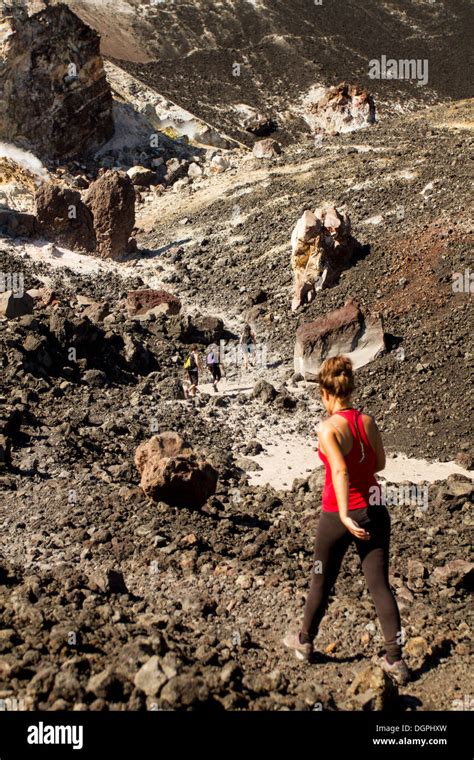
(336, 376)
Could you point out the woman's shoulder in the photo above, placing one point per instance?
(327, 425)
(367, 419)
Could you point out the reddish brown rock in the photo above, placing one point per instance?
(458, 572)
(345, 331)
(42, 296)
(63, 218)
(111, 199)
(267, 148)
(172, 473)
(142, 301)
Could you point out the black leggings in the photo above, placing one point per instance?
(332, 541)
(215, 371)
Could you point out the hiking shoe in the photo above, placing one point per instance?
(398, 670)
(302, 651)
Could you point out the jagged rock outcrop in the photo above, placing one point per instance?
(342, 108)
(111, 199)
(54, 96)
(63, 218)
(172, 473)
(345, 331)
(322, 246)
(101, 221)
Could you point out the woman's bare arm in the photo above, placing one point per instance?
(373, 434)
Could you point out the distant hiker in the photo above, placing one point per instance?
(215, 365)
(247, 343)
(192, 365)
(351, 449)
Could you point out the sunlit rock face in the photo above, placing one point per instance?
(339, 109)
(322, 246)
(54, 97)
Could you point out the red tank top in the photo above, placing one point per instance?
(360, 461)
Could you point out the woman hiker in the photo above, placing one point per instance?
(192, 365)
(351, 449)
(215, 365)
(247, 344)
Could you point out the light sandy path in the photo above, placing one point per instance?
(294, 456)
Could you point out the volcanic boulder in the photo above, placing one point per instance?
(97, 312)
(322, 246)
(206, 329)
(342, 108)
(54, 96)
(63, 218)
(17, 224)
(12, 305)
(172, 473)
(345, 331)
(458, 572)
(219, 164)
(372, 689)
(264, 391)
(267, 148)
(175, 169)
(42, 296)
(111, 199)
(138, 357)
(141, 302)
(197, 329)
(142, 177)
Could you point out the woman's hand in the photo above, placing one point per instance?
(355, 529)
